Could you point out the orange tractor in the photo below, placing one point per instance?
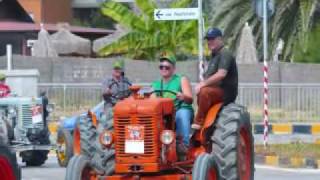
(140, 143)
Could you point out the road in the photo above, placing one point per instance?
(52, 171)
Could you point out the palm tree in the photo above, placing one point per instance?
(147, 37)
(292, 21)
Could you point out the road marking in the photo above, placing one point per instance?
(295, 170)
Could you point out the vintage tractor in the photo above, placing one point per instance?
(24, 127)
(142, 143)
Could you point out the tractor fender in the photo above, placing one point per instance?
(210, 119)
(70, 123)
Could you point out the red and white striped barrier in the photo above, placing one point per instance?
(266, 102)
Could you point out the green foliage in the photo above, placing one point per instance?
(147, 37)
(309, 52)
(291, 22)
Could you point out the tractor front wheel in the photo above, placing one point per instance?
(79, 169)
(205, 168)
(65, 147)
(232, 144)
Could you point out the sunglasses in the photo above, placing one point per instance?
(163, 67)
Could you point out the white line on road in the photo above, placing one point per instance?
(296, 170)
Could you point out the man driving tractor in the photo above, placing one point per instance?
(221, 78)
(182, 100)
(115, 87)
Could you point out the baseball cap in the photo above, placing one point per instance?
(117, 65)
(213, 33)
(168, 57)
(2, 76)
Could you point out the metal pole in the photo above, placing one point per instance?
(265, 31)
(9, 57)
(265, 74)
(200, 36)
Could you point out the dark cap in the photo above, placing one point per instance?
(213, 33)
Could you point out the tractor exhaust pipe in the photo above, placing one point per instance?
(9, 57)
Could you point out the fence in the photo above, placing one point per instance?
(288, 102)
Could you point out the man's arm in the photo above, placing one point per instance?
(215, 78)
(223, 68)
(186, 94)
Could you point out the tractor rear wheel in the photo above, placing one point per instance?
(205, 168)
(9, 169)
(65, 147)
(101, 158)
(232, 144)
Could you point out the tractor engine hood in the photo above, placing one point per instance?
(138, 123)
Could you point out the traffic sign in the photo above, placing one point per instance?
(258, 6)
(176, 14)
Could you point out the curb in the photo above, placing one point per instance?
(288, 128)
(293, 162)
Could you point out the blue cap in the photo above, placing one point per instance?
(213, 33)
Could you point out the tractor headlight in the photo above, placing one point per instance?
(12, 111)
(106, 138)
(167, 137)
(50, 108)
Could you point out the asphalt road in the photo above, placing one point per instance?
(52, 171)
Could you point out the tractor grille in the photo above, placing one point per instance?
(26, 116)
(149, 136)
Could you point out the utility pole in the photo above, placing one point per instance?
(200, 40)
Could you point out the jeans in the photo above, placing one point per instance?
(184, 118)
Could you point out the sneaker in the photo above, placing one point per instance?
(196, 126)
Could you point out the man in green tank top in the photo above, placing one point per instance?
(182, 99)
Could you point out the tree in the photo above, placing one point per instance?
(311, 52)
(292, 21)
(147, 37)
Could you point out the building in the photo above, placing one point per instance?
(48, 11)
(19, 30)
(11, 10)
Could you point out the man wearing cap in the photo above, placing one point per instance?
(182, 99)
(220, 79)
(116, 87)
(4, 89)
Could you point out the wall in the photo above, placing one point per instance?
(86, 70)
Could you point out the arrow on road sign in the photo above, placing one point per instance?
(158, 14)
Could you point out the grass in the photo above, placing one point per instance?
(298, 150)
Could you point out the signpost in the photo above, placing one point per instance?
(265, 9)
(176, 14)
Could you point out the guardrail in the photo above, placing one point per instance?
(287, 102)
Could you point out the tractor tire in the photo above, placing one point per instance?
(205, 168)
(65, 147)
(37, 157)
(78, 168)
(34, 157)
(9, 169)
(4, 132)
(101, 158)
(232, 144)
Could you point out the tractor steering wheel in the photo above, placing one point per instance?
(169, 91)
(162, 91)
